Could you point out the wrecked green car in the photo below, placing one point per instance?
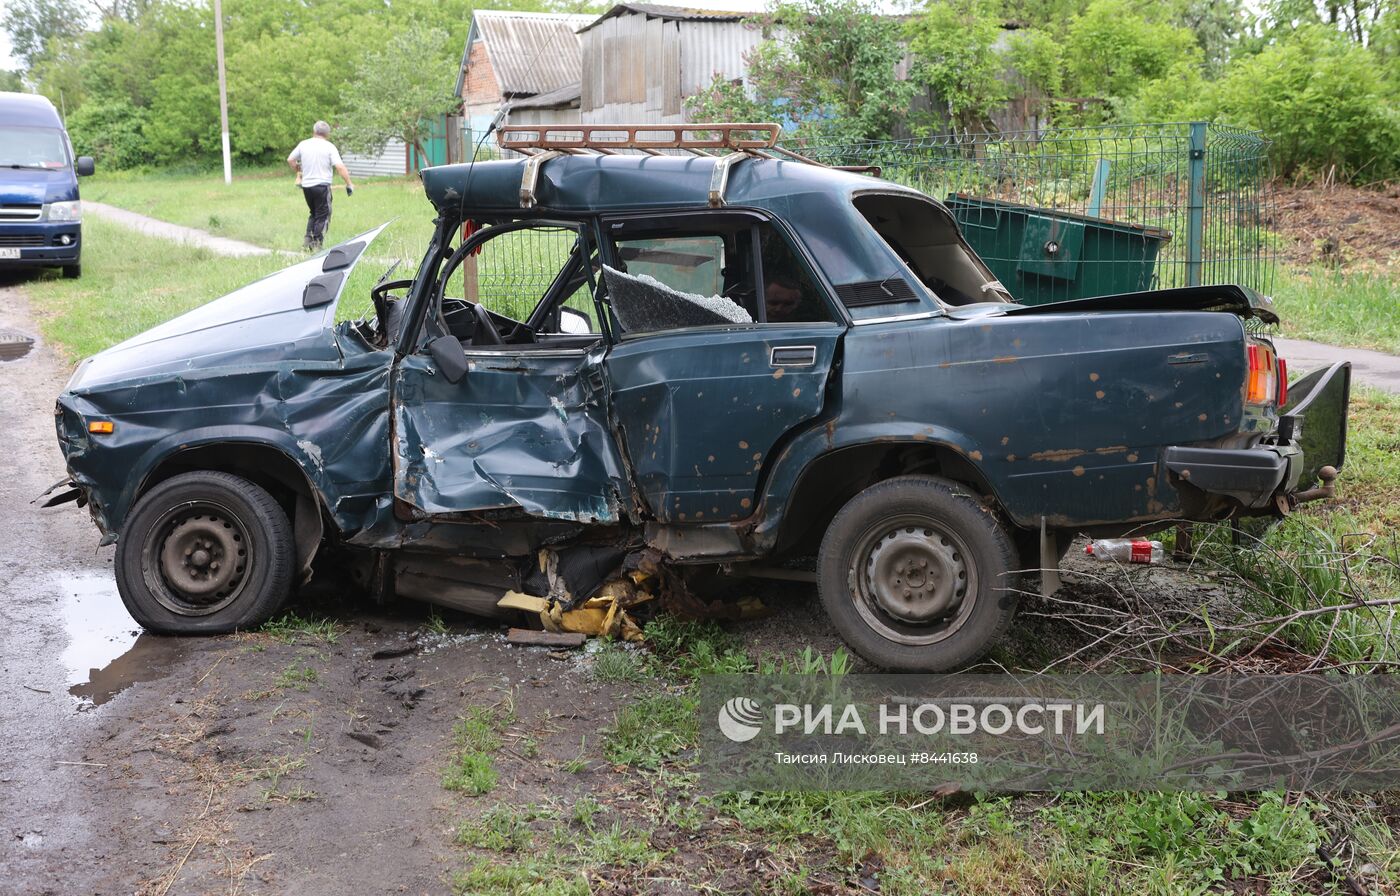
(744, 363)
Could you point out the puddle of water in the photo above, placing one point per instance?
(14, 345)
(107, 651)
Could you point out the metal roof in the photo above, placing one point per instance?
(530, 52)
(729, 11)
(566, 96)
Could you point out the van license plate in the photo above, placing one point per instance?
(8, 253)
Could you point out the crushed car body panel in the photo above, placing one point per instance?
(518, 430)
(256, 368)
(706, 433)
(284, 315)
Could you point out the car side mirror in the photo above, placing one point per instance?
(450, 357)
(574, 322)
(85, 166)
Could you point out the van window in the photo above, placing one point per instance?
(24, 147)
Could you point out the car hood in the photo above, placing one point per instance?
(284, 316)
(32, 186)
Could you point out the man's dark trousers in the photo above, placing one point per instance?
(318, 203)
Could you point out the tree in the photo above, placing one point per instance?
(1323, 101)
(955, 47)
(399, 90)
(1111, 51)
(33, 24)
(829, 69)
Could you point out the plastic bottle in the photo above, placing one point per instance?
(1126, 550)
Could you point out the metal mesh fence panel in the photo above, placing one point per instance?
(1076, 212)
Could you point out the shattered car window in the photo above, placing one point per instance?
(644, 304)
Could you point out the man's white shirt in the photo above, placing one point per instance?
(318, 157)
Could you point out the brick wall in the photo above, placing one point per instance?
(480, 87)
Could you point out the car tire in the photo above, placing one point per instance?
(205, 553)
(72, 271)
(918, 575)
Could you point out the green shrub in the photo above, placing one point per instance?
(1323, 101)
(110, 132)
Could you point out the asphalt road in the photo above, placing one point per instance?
(1369, 368)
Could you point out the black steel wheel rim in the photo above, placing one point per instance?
(196, 558)
(913, 579)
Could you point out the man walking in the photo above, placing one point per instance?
(314, 160)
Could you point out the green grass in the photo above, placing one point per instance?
(264, 207)
(1359, 309)
(477, 735)
(298, 675)
(291, 627)
(615, 663)
(131, 283)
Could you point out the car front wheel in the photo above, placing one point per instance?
(918, 575)
(205, 553)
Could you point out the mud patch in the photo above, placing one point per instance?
(107, 652)
(14, 345)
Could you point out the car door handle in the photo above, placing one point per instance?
(792, 355)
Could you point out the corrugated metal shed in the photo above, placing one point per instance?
(530, 52)
(641, 61)
(391, 161)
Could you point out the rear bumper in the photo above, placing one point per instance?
(40, 244)
(1311, 435)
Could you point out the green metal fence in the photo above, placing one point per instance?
(1072, 212)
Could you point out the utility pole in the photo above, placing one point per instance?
(223, 88)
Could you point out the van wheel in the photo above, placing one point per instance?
(204, 553)
(72, 271)
(918, 575)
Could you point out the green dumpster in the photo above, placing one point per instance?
(1044, 256)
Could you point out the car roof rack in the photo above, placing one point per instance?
(729, 142)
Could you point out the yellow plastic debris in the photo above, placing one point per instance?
(604, 614)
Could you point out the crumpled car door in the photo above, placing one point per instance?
(520, 429)
(525, 427)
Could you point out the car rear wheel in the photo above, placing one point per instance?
(205, 553)
(918, 575)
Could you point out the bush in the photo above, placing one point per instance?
(1322, 99)
(110, 132)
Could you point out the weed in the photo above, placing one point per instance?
(291, 626)
(615, 663)
(579, 763)
(498, 828)
(809, 662)
(477, 736)
(436, 624)
(277, 767)
(297, 794)
(471, 773)
(652, 730)
(1187, 841)
(297, 675)
(616, 845)
(542, 874)
(585, 809)
(478, 729)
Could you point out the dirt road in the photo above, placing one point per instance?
(239, 764)
(250, 763)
